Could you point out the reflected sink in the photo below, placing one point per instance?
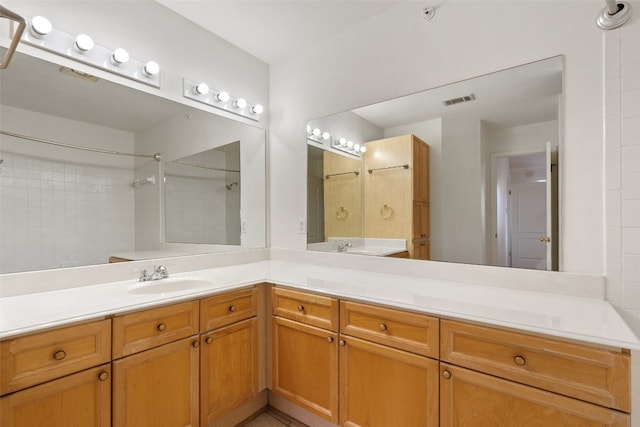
(169, 285)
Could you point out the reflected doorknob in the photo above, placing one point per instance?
(545, 239)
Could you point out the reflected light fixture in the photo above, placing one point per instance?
(326, 135)
(222, 96)
(151, 68)
(83, 43)
(201, 92)
(119, 56)
(257, 109)
(240, 103)
(40, 27)
(316, 132)
(201, 89)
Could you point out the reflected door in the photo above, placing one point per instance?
(528, 223)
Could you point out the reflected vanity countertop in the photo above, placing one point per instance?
(361, 246)
(575, 318)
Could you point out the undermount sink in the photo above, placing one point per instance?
(169, 285)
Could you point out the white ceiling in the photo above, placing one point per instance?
(271, 30)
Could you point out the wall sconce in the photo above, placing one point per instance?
(201, 92)
(42, 34)
(348, 146)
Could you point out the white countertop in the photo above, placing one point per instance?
(576, 318)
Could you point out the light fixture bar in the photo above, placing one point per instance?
(201, 92)
(81, 48)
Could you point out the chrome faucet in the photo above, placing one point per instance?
(342, 247)
(159, 272)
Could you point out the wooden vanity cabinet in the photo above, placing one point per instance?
(386, 377)
(228, 353)
(157, 383)
(305, 351)
(59, 377)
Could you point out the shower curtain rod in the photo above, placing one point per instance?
(156, 156)
(195, 165)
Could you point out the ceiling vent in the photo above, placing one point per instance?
(453, 101)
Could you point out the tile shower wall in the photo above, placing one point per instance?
(55, 214)
(622, 179)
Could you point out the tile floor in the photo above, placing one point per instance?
(272, 418)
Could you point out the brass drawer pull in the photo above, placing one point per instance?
(519, 360)
(103, 376)
(383, 327)
(232, 308)
(161, 327)
(342, 343)
(329, 340)
(195, 344)
(209, 340)
(59, 355)
(446, 375)
(301, 308)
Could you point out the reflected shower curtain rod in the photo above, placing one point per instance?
(195, 165)
(156, 156)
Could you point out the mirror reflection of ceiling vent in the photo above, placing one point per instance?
(465, 98)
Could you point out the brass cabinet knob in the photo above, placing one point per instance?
(232, 308)
(342, 343)
(209, 340)
(103, 376)
(383, 327)
(195, 344)
(161, 327)
(301, 308)
(329, 340)
(59, 355)
(519, 360)
(446, 375)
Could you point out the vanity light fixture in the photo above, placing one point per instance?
(40, 27)
(81, 48)
(201, 89)
(119, 57)
(202, 92)
(316, 132)
(326, 135)
(83, 43)
(348, 146)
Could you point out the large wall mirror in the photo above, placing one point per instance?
(83, 200)
(466, 173)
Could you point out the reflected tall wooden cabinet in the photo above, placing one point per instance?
(396, 192)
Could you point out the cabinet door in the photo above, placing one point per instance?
(158, 387)
(382, 386)
(82, 399)
(421, 250)
(228, 368)
(305, 366)
(469, 398)
(421, 219)
(421, 170)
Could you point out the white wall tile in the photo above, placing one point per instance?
(631, 240)
(629, 47)
(614, 283)
(612, 54)
(631, 213)
(613, 134)
(631, 131)
(614, 244)
(630, 103)
(630, 271)
(631, 76)
(613, 170)
(612, 97)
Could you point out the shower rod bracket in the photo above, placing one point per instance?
(614, 15)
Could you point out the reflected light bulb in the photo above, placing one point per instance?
(40, 27)
(342, 142)
(257, 109)
(356, 147)
(222, 96)
(201, 89)
(308, 129)
(349, 144)
(240, 103)
(84, 43)
(119, 56)
(316, 132)
(151, 68)
(363, 149)
(325, 135)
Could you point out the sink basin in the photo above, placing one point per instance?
(169, 285)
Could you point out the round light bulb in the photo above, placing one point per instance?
(308, 129)
(222, 96)
(201, 89)
(356, 147)
(342, 142)
(40, 27)
(84, 43)
(119, 56)
(349, 144)
(257, 109)
(363, 149)
(151, 68)
(316, 132)
(240, 103)
(326, 135)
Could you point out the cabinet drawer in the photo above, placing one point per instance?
(307, 308)
(412, 332)
(40, 357)
(592, 374)
(228, 308)
(142, 330)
